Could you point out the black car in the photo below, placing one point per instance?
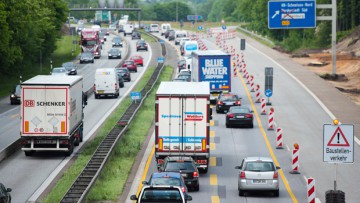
(184, 165)
(125, 73)
(114, 53)
(239, 115)
(171, 35)
(166, 34)
(117, 42)
(121, 80)
(70, 67)
(15, 96)
(102, 37)
(136, 35)
(181, 64)
(5, 196)
(86, 57)
(167, 178)
(225, 101)
(141, 45)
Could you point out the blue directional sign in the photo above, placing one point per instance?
(160, 59)
(291, 14)
(223, 27)
(194, 17)
(135, 95)
(161, 41)
(268, 93)
(200, 27)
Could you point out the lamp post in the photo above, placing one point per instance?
(177, 8)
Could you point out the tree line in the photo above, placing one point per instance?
(28, 27)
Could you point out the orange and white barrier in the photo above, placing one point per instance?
(252, 88)
(279, 138)
(295, 160)
(263, 106)
(271, 119)
(311, 190)
(257, 93)
(247, 78)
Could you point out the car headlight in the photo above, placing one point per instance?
(113, 43)
(12, 96)
(109, 54)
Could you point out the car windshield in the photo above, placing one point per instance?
(114, 51)
(89, 42)
(17, 90)
(176, 166)
(228, 97)
(135, 57)
(153, 195)
(239, 110)
(69, 64)
(86, 54)
(259, 166)
(129, 62)
(165, 181)
(59, 70)
(117, 39)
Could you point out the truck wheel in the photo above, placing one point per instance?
(227, 125)
(241, 192)
(96, 96)
(29, 153)
(71, 149)
(77, 140)
(197, 188)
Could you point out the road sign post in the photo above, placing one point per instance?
(269, 71)
(291, 14)
(135, 96)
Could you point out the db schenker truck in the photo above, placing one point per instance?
(182, 121)
(213, 66)
(52, 113)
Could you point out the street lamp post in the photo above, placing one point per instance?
(177, 8)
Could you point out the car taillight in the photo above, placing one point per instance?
(137, 45)
(248, 115)
(195, 174)
(276, 175)
(183, 189)
(242, 175)
(230, 115)
(220, 102)
(237, 103)
(128, 74)
(116, 87)
(94, 88)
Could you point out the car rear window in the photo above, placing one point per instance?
(239, 110)
(166, 195)
(228, 97)
(176, 166)
(165, 181)
(259, 166)
(129, 62)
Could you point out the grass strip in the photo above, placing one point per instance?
(65, 182)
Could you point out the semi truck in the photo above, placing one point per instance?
(213, 66)
(52, 113)
(182, 121)
(90, 41)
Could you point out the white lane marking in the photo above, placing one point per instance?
(52, 176)
(287, 148)
(303, 86)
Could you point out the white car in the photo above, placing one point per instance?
(59, 71)
(258, 174)
(161, 193)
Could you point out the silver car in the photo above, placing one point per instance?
(258, 174)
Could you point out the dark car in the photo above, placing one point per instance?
(186, 75)
(121, 28)
(131, 65)
(181, 64)
(239, 115)
(125, 73)
(184, 165)
(225, 101)
(117, 42)
(86, 57)
(70, 67)
(136, 35)
(114, 53)
(102, 37)
(5, 196)
(15, 96)
(161, 194)
(166, 34)
(121, 80)
(167, 178)
(171, 35)
(141, 45)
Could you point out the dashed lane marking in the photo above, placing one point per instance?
(213, 179)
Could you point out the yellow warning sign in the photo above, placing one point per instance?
(285, 23)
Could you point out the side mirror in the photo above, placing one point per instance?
(133, 197)
(278, 167)
(8, 190)
(188, 197)
(85, 98)
(237, 167)
(145, 182)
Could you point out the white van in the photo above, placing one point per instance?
(164, 28)
(179, 35)
(154, 28)
(128, 29)
(106, 83)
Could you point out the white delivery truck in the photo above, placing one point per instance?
(106, 83)
(182, 121)
(164, 27)
(128, 29)
(52, 113)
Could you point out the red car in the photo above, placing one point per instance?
(138, 60)
(131, 65)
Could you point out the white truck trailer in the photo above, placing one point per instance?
(182, 121)
(52, 113)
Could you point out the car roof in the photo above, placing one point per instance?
(176, 158)
(162, 174)
(122, 69)
(68, 63)
(257, 158)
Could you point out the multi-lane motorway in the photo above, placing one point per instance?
(302, 106)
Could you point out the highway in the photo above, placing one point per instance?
(301, 115)
(26, 174)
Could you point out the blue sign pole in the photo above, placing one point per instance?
(291, 14)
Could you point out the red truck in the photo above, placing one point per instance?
(90, 41)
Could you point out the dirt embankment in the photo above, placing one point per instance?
(347, 77)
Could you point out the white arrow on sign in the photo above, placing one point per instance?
(276, 13)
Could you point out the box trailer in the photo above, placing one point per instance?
(52, 113)
(213, 66)
(182, 116)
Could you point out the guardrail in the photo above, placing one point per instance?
(90, 173)
(252, 33)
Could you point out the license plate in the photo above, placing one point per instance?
(260, 181)
(214, 95)
(240, 117)
(46, 142)
(100, 91)
(184, 175)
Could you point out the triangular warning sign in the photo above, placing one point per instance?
(338, 139)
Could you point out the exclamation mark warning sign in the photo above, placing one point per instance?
(338, 139)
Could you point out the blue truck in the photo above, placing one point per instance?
(213, 66)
